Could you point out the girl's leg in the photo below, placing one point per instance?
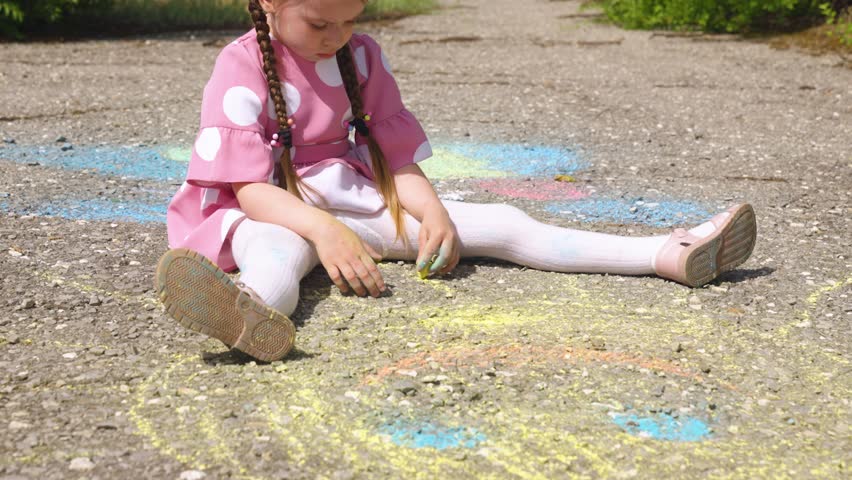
(507, 233)
(200, 296)
(272, 260)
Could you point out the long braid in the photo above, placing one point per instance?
(288, 179)
(384, 179)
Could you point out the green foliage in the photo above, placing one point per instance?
(713, 15)
(17, 15)
(11, 16)
(397, 8)
(840, 24)
(158, 15)
(10, 10)
(81, 17)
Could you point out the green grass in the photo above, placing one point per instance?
(717, 15)
(159, 15)
(397, 8)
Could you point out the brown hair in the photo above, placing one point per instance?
(289, 180)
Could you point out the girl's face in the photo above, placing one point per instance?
(313, 29)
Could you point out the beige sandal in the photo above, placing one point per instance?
(694, 261)
(201, 297)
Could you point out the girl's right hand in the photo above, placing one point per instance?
(348, 260)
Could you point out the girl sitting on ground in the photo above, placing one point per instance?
(275, 187)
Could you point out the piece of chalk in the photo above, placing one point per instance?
(424, 272)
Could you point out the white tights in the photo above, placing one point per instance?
(273, 259)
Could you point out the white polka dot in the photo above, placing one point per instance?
(228, 220)
(291, 96)
(329, 73)
(386, 63)
(347, 117)
(361, 61)
(423, 152)
(209, 196)
(242, 106)
(208, 143)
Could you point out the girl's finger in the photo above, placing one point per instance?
(365, 278)
(374, 272)
(422, 238)
(352, 279)
(444, 256)
(372, 252)
(337, 278)
(426, 252)
(452, 264)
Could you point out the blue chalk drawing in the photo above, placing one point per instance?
(662, 426)
(169, 163)
(521, 160)
(97, 210)
(423, 434)
(134, 162)
(662, 213)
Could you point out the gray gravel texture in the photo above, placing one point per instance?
(520, 373)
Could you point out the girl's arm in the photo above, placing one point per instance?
(437, 232)
(290, 212)
(415, 191)
(348, 260)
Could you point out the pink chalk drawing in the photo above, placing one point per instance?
(525, 355)
(541, 189)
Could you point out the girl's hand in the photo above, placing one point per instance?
(348, 261)
(438, 236)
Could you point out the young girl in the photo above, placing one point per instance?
(275, 187)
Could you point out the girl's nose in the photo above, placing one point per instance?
(334, 37)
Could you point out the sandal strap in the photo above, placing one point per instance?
(246, 301)
(667, 262)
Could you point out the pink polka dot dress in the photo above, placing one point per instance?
(238, 121)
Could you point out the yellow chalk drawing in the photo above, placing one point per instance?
(805, 315)
(321, 429)
(146, 427)
(446, 164)
(178, 154)
(87, 288)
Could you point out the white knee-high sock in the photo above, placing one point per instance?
(272, 260)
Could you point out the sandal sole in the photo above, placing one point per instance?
(727, 248)
(201, 297)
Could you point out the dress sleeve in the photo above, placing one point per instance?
(230, 146)
(396, 130)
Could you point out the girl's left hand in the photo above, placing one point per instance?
(438, 236)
